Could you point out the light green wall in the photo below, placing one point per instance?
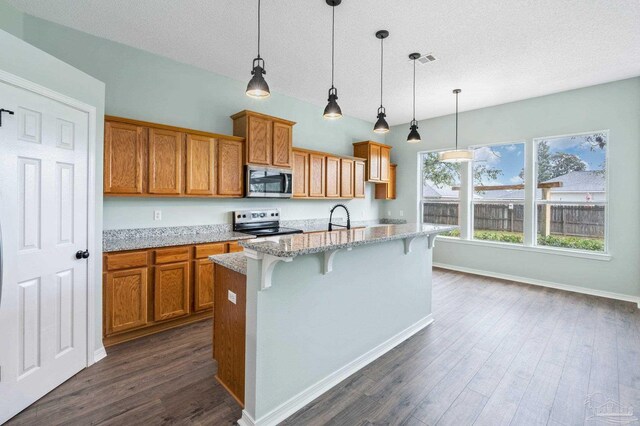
(149, 87)
(614, 106)
(11, 20)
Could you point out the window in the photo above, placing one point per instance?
(498, 193)
(549, 192)
(571, 191)
(440, 191)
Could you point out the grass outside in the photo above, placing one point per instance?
(564, 241)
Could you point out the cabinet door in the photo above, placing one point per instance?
(124, 147)
(259, 140)
(234, 247)
(333, 177)
(171, 291)
(125, 300)
(203, 284)
(346, 178)
(300, 174)
(316, 175)
(165, 162)
(229, 161)
(358, 179)
(282, 137)
(391, 190)
(200, 165)
(374, 163)
(385, 164)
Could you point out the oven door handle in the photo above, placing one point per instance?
(288, 177)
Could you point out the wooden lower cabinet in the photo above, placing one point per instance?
(171, 291)
(202, 285)
(125, 299)
(152, 290)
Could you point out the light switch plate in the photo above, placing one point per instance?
(231, 296)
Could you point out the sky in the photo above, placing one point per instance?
(510, 157)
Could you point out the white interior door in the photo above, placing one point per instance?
(43, 219)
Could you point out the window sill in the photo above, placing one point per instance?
(538, 249)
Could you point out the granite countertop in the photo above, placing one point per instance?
(143, 238)
(234, 261)
(301, 244)
(134, 239)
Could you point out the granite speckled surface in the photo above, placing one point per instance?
(134, 239)
(142, 238)
(234, 261)
(301, 244)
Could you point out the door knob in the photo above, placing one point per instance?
(82, 254)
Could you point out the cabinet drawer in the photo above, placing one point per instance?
(126, 260)
(206, 250)
(174, 254)
(235, 247)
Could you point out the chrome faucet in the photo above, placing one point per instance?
(331, 225)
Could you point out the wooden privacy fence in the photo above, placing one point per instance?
(580, 221)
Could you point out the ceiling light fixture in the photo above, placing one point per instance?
(381, 125)
(258, 87)
(414, 136)
(332, 111)
(456, 155)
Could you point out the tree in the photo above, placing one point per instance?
(448, 174)
(551, 166)
(564, 163)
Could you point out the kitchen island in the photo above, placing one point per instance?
(317, 308)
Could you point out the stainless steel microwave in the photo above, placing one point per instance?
(266, 182)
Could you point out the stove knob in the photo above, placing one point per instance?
(263, 214)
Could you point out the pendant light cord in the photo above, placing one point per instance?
(258, 28)
(456, 121)
(333, 31)
(381, 67)
(414, 90)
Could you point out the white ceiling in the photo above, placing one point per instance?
(496, 51)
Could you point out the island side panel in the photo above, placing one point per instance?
(308, 326)
(229, 330)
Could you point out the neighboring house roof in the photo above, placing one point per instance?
(585, 181)
(432, 191)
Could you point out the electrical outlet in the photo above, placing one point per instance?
(232, 297)
(157, 215)
(401, 213)
(389, 213)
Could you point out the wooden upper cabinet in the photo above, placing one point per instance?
(378, 160)
(201, 179)
(229, 162)
(333, 177)
(359, 170)
(125, 301)
(346, 178)
(317, 175)
(165, 161)
(387, 191)
(282, 141)
(268, 139)
(124, 155)
(171, 291)
(300, 173)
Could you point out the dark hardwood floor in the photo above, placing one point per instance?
(497, 353)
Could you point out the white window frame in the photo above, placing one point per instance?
(530, 231)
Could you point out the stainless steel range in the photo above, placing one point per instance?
(260, 222)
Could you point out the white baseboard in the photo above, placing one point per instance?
(99, 354)
(306, 396)
(542, 283)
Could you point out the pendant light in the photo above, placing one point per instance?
(414, 136)
(332, 111)
(456, 155)
(381, 125)
(258, 87)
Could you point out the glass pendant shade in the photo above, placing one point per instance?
(414, 136)
(381, 125)
(258, 87)
(332, 111)
(456, 156)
